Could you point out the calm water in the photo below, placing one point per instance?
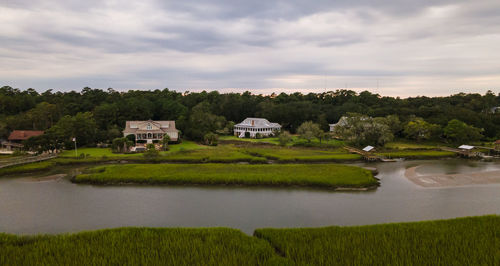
(60, 206)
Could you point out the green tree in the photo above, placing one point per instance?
(363, 130)
(164, 142)
(419, 129)
(121, 145)
(458, 131)
(211, 139)
(202, 121)
(284, 138)
(309, 130)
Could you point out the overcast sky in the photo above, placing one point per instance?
(397, 48)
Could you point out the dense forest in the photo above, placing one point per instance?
(95, 115)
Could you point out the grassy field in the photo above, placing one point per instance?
(463, 241)
(27, 168)
(320, 175)
(138, 246)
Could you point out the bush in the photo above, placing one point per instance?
(151, 152)
(258, 136)
(247, 134)
(211, 139)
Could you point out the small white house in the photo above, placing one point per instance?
(254, 126)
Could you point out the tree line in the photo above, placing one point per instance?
(96, 115)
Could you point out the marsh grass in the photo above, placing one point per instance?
(27, 168)
(302, 154)
(138, 246)
(463, 241)
(308, 175)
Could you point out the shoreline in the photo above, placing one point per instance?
(452, 180)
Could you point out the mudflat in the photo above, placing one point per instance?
(452, 180)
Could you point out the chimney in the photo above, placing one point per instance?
(253, 122)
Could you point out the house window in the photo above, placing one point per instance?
(149, 127)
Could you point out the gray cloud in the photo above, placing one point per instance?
(409, 46)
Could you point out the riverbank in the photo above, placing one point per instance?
(462, 241)
(452, 180)
(327, 176)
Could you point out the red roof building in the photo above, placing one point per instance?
(20, 135)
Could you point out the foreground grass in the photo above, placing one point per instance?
(320, 175)
(27, 168)
(138, 246)
(463, 241)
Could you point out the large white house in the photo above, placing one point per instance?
(151, 130)
(254, 126)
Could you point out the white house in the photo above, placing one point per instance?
(151, 130)
(254, 126)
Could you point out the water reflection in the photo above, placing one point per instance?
(60, 206)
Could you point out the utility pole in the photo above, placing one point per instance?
(76, 150)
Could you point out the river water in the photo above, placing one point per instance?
(61, 206)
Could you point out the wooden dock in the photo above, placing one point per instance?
(464, 153)
(26, 159)
(367, 156)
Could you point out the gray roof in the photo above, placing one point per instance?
(157, 126)
(257, 122)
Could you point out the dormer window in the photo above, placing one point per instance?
(149, 127)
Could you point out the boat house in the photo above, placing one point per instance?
(150, 130)
(256, 125)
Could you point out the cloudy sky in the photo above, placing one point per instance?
(397, 48)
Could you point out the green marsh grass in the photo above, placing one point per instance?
(138, 246)
(308, 175)
(462, 241)
(27, 168)
(302, 154)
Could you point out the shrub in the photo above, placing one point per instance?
(211, 139)
(151, 152)
(247, 134)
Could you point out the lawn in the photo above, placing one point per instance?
(463, 241)
(138, 246)
(328, 176)
(106, 152)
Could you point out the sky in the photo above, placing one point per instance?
(394, 48)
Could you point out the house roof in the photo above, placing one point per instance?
(466, 147)
(368, 148)
(497, 142)
(24, 134)
(257, 122)
(157, 126)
